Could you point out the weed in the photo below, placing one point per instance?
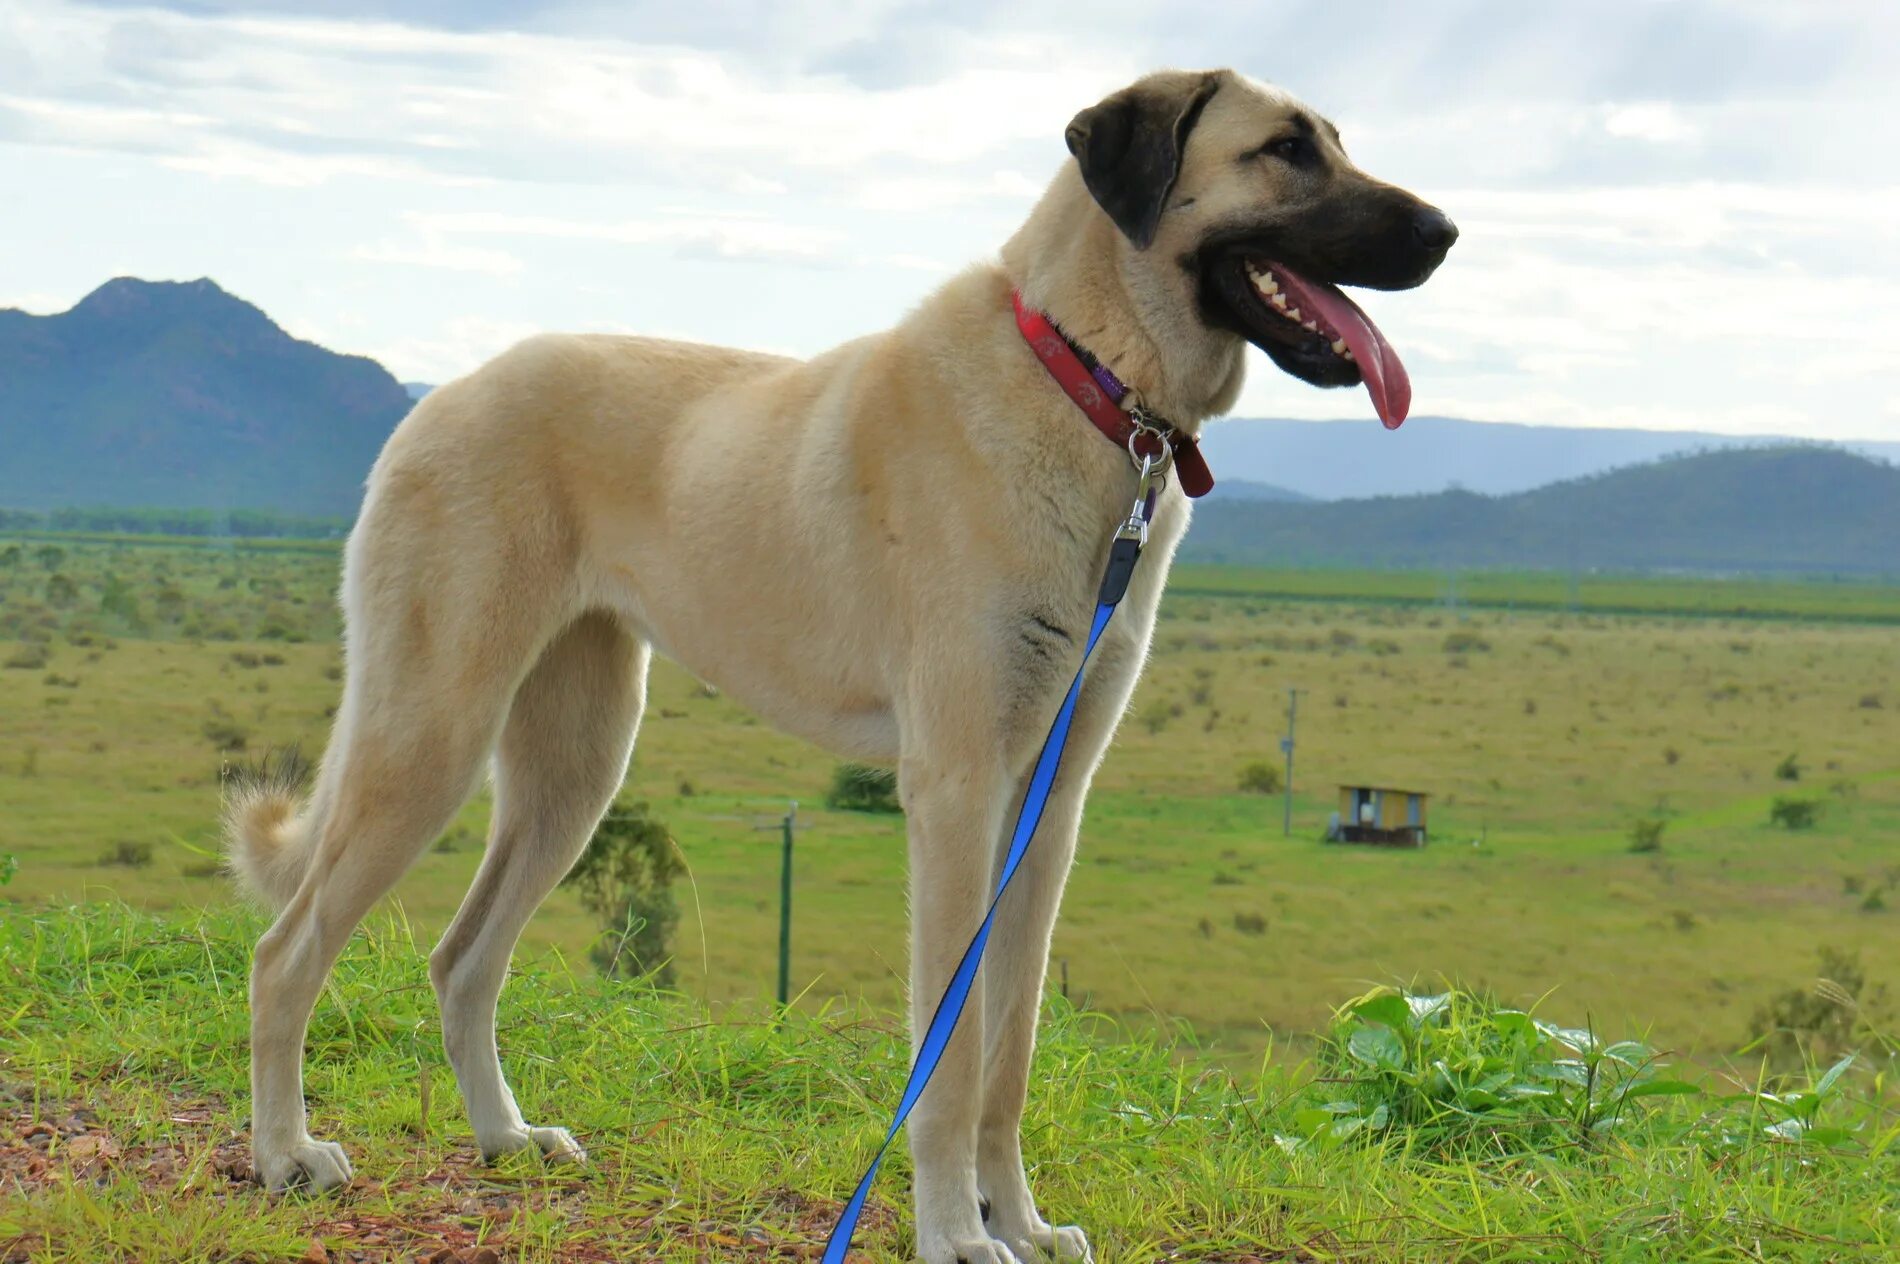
(1788, 769)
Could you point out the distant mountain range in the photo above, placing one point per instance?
(1808, 509)
(179, 395)
(1337, 460)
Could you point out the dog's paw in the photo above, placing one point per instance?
(985, 1250)
(1065, 1243)
(556, 1145)
(307, 1165)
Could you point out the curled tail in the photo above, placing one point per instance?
(266, 837)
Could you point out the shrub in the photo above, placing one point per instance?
(1819, 1021)
(1646, 834)
(861, 788)
(1788, 769)
(1250, 923)
(1260, 778)
(625, 879)
(1465, 642)
(1869, 702)
(129, 855)
(1794, 814)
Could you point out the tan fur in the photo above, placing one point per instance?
(861, 547)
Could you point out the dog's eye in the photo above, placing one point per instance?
(1296, 150)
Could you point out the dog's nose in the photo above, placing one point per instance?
(1434, 229)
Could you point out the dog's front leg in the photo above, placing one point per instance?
(953, 786)
(1017, 962)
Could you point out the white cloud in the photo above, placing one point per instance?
(1656, 121)
(1647, 239)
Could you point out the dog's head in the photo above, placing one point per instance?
(1239, 203)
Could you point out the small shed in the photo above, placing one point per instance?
(1380, 815)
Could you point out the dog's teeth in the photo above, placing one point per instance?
(1348, 355)
(1266, 284)
(1279, 301)
(1339, 348)
(1309, 326)
(1292, 313)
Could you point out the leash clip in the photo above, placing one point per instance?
(1149, 482)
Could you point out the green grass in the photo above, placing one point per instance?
(1544, 737)
(728, 1135)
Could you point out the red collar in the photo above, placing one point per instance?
(1099, 394)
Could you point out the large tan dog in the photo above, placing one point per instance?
(891, 549)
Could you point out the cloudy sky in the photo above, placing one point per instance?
(1673, 214)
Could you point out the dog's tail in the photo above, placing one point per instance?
(267, 832)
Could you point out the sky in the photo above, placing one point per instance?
(1673, 215)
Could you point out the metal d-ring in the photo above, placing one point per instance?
(1146, 423)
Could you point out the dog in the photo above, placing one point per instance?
(890, 549)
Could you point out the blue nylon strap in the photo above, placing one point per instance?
(943, 1023)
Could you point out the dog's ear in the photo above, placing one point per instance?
(1129, 148)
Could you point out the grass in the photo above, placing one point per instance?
(734, 1136)
(1542, 750)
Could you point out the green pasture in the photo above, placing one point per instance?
(1544, 737)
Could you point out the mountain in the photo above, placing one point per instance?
(179, 395)
(1333, 460)
(1242, 489)
(1802, 508)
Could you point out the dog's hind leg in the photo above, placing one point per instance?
(397, 770)
(562, 756)
(433, 662)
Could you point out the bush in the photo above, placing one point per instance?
(1819, 1021)
(128, 855)
(861, 788)
(1646, 834)
(1260, 778)
(1794, 814)
(31, 656)
(1466, 643)
(625, 879)
(1788, 769)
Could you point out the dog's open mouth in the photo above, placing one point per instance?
(1314, 332)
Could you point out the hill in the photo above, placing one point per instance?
(1334, 460)
(1780, 509)
(180, 395)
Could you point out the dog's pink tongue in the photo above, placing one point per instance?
(1385, 377)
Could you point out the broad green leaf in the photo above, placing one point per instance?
(1834, 1073)
(1578, 1038)
(1629, 1052)
(1660, 1088)
(1377, 1046)
(1424, 1007)
(1389, 1009)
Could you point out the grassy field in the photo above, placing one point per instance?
(1436, 1130)
(133, 668)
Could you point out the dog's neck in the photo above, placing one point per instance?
(1068, 260)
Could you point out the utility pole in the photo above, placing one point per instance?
(1286, 746)
(785, 908)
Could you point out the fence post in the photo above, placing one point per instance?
(785, 909)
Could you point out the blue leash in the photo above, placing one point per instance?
(1122, 556)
